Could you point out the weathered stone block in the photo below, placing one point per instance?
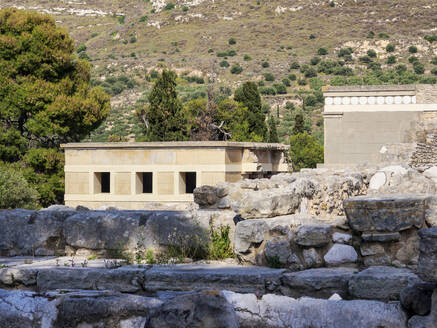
(313, 235)
(381, 283)
(340, 254)
(319, 283)
(387, 213)
(381, 237)
(427, 267)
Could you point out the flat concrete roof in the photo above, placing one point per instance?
(175, 144)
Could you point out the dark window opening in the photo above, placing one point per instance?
(147, 180)
(188, 182)
(105, 182)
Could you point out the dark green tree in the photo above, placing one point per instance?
(273, 133)
(249, 96)
(299, 124)
(45, 96)
(305, 151)
(164, 118)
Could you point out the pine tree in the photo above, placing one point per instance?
(249, 96)
(165, 116)
(299, 124)
(273, 134)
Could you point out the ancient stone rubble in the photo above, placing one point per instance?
(345, 249)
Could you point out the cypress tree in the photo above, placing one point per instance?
(298, 124)
(273, 134)
(249, 96)
(165, 116)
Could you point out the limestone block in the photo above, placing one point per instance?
(381, 237)
(427, 267)
(385, 213)
(319, 283)
(313, 235)
(341, 238)
(417, 298)
(311, 258)
(278, 247)
(340, 254)
(377, 181)
(381, 283)
(280, 311)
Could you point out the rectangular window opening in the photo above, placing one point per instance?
(187, 182)
(103, 182)
(147, 182)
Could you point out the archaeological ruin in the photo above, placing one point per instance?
(332, 247)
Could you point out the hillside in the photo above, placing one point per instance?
(127, 41)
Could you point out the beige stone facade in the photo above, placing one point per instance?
(129, 175)
(361, 120)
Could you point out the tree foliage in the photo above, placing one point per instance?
(273, 133)
(45, 97)
(164, 118)
(305, 151)
(249, 96)
(15, 192)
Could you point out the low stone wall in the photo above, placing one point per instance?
(65, 231)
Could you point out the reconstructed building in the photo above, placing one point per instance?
(375, 124)
(128, 175)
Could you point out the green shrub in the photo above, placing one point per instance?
(345, 52)
(332, 4)
(261, 83)
(232, 41)
(286, 82)
(365, 59)
(143, 19)
(322, 52)
(84, 55)
(305, 151)
(370, 35)
(413, 59)
(81, 48)
(210, 50)
(310, 72)
(374, 66)
(169, 6)
(153, 11)
(292, 77)
(434, 71)
(412, 49)
(267, 91)
(269, 77)
(133, 39)
(224, 64)
(232, 53)
(310, 100)
(312, 37)
(383, 36)
(220, 246)
(280, 88)
(93, 35)
(15, 192)
(401, 69)
(185, 8)
(430, 38)
(418, 68)
(294, 65)
(236, 69)
(121, 19)
(391, 60)
(434, 60)
(302, 82)
(371, 53)
(265, 64)
(315, 60)
(247, 58)
(390, 47)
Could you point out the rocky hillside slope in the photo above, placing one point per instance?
(136, 37)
